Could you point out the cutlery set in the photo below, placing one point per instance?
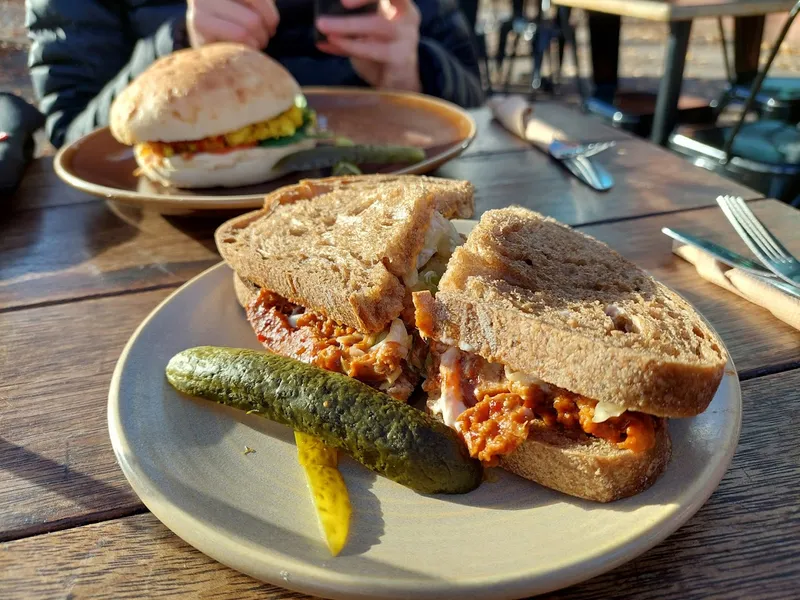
(778, 267)
(575, 158)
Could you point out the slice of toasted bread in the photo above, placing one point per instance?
(341, 246)
(588, 467)
(543, 299)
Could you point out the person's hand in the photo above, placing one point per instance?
(250, 22)
(382, 47)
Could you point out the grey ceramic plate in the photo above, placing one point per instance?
(508, 539)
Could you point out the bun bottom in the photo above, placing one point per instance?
(230, 169)
(588, 468)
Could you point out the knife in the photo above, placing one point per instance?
(732, 259)
(589, 172)
(722, 254)
(549, 139)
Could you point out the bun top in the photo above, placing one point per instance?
(196, 93)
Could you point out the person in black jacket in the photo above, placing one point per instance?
(85, 52)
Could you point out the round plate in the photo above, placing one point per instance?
(99, 165)
(509, 538)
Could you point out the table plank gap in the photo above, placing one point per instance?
(657, 214)
(769, 370)
(72, 522)
(98, 296)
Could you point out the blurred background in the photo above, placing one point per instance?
(641, 57)
(643, 46)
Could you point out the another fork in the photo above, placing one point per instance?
(561, 150)
(763, 244)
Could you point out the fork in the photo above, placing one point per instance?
(763, 244)
(561, 150)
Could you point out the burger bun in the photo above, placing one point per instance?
(198, 93)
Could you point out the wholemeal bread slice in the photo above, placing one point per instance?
(341, 246)
(588, 467)
(543, 299)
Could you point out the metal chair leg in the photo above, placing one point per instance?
(500, 56)
(570, 39)
(538, 46)
(510, 68)
(748, 105)
(725, 58)
(562, 20)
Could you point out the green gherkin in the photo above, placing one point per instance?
(386, 436)
(322, 157)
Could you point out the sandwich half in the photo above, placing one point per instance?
(559, 360)
(326, 269)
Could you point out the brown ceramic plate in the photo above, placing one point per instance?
(99, 165)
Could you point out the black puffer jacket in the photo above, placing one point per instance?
(85, 52)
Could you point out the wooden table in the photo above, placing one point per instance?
(679, 14)
(76, 278)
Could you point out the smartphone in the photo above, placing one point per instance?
(335, 8)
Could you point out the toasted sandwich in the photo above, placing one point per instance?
(559, 360)
(325, 270)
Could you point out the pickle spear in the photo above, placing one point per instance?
(327, 487)
(386, 436)
(322, 157)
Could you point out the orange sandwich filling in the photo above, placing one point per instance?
(284, 125)
(387, 360)
(493, 409)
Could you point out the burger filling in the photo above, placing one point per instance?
(389, 360)
(289, 127)
(493, 408)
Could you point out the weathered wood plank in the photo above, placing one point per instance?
(86, 249)
(648, 180)
(56, 463)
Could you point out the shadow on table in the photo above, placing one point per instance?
(199, 225)
(58, 238)
(97, 499)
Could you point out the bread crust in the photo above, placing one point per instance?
(515, 305)
(588, 467)
(340, 247)
(196, 93)
(453, 198)
(246, 292)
